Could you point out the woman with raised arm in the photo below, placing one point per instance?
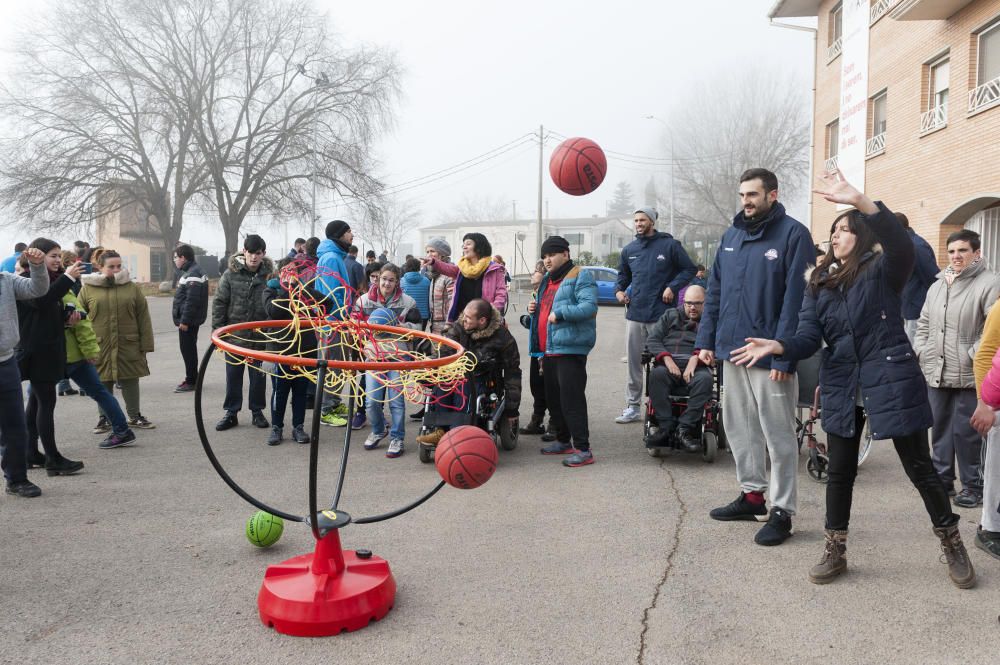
(852, 302)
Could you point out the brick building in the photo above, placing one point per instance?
(931, 142)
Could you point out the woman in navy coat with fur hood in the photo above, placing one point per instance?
(853, 303)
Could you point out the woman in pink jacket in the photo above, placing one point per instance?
(984, 420)
(476, 275)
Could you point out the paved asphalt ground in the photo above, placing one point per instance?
(141, 558)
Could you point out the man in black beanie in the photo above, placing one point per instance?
(563, 330)
(334, 281)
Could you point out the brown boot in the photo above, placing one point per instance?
(959, 566)
(833, 562)
(432, 437)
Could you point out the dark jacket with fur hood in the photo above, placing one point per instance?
(494, 347)
(240, 298)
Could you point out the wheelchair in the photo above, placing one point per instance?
(485, 406)
(809, 415)
(713, 436)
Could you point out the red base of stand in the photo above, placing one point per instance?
(327, 592)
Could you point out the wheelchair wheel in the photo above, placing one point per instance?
(866, 445)
(709, 446)
(425, 453)
(508, 433)
(816, 465)
(654, 451)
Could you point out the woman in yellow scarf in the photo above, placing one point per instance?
(476, 275)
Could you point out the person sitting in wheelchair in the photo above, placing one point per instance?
(670, 345)
(480, 330)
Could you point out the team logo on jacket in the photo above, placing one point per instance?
(661, 257)
(771, 254)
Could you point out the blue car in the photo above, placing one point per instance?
(606, 279)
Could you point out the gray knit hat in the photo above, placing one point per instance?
(650, 212)
(442, 247)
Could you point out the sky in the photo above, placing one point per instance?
(478, 76)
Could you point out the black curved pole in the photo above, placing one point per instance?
(400, 511)
(347, 443)
(203, 435)
(314, 446)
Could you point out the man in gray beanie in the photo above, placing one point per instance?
(651, 272)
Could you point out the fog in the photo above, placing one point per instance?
(479, 76)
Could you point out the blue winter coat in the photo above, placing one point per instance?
(867, 347)
(418, 287)
(755, 286)
(649, 265)
(332, 279)
(357, 274)
(575, 307)
(925, 271)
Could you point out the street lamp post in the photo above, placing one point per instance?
(671, 132)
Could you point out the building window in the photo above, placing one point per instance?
(832, 144)
(935, 116)
(878, 115)
(574, 238)
(986, 92)
(835, 32)
(604, 238)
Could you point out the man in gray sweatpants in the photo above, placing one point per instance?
(755, 289)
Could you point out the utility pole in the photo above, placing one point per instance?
(672, 166)
(541, 154)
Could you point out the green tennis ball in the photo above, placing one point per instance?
(264, 529)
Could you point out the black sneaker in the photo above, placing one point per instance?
(740, 509)
(417, 415)
(299, 434)
(127, 438)
(549, 435)
(558, 448)
(259, 420)
(62, 467)
(69, 391)
(102, 426)
(989, 542)
(228, 422)
(36, 460)
(276, 436)
(688, 440)
(24, 488)
(140, 422)
(777, 530)
(967, 499)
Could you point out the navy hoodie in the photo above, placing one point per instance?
(756, 285)
(649, 264)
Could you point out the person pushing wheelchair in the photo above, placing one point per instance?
(670, 346)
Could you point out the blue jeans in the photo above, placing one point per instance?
(13, 427)
(377, 392)
(85, 375)
(280, 387)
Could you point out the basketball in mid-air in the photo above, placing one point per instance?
(466, 457)
(264, 529)
(578, 166)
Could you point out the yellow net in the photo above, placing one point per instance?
(322, 319)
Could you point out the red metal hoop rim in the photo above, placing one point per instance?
(360, 366)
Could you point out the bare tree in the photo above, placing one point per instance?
(726, 125)
(385, 223)
(285, 110)
(480, 208)
(100, 120)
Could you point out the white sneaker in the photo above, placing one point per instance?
(371, 443)
(395, 448)
(629, 415)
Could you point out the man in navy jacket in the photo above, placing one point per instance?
(755, 290)
(656, 267)
(925, 272)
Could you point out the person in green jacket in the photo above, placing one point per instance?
(120, 316)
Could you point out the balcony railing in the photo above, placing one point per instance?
(880, 9)
(984, 96)
(831, 164)
(935, 118)
(835, 48)
(875, 145)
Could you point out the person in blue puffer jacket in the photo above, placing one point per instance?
(652, 271)
(417, 286)
(563, 330)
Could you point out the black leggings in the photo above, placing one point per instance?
(914, 453)
(40, 417)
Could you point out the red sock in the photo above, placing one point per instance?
(756, 498)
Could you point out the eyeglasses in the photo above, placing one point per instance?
(694, 303)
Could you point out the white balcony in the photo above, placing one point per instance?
(875, 145)
(984, 96)
(835, 48)
(934, 119)
(880, 9)
(830, 164)
(928, 10)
